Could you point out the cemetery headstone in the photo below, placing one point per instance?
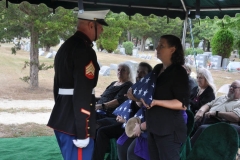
(201, 60)
(104, 71)
(41, 53)
(28, 47)
(225, 63)
(134, 52)
(216, 62)
(49, 55)
(122, 51)
(233, 66)
(54, 53)
(133, 65)
(113, 66)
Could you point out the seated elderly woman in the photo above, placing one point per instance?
(113, 96)
(204, 92)
(112, 127)
(191, 81)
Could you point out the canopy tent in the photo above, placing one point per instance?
(169, 8)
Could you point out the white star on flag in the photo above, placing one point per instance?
(141, 116)
(146, 89)
(134, 91)
(147, 80)
(145, 92)
(153, 85)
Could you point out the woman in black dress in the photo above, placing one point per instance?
(204, 92)
(113, 96)
(166, 116)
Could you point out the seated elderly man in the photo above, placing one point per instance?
(224, 108)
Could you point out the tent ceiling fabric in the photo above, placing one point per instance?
(170, 8)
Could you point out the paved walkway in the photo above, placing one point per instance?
(24, 117)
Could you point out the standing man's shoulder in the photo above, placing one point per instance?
(78, 39)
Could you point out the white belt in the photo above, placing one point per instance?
(69, 91)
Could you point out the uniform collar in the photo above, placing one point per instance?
(84, 37)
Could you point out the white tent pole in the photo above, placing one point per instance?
(184, 24)
(184, 31)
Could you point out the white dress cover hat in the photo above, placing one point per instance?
(98, 16)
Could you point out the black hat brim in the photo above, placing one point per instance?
(102, 22)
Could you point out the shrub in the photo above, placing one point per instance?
(99, 45)
(117, 51)
(110, 46)
(190, 51)
(128, 47)
(109, 38)
(237, 44)
(222, 43)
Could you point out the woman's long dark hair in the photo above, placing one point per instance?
(178, 55)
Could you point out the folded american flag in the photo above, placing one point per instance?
(143, 89)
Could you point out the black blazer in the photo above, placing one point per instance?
(76, 67)
(207, 96)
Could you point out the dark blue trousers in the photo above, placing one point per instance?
(70, 151)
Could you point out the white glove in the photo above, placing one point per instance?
(81, 143)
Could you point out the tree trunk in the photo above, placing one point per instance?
(136, 42)
(48, 48)
(34, 61)
(155, 43)
(129, 36)
(204, 44)
(143, 43)
(208, 46)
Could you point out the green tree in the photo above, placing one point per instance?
(34, 21)
(234, 26)
(109, 39)
(203, 29)
(222, 43)
(49, 39)
(154, 27)
(141, 28)
(163, 25)
(128, 47)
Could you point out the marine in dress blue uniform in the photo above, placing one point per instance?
(76, 74)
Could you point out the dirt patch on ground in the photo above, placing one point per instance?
(24, 130)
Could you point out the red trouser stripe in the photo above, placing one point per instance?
(80, 154)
